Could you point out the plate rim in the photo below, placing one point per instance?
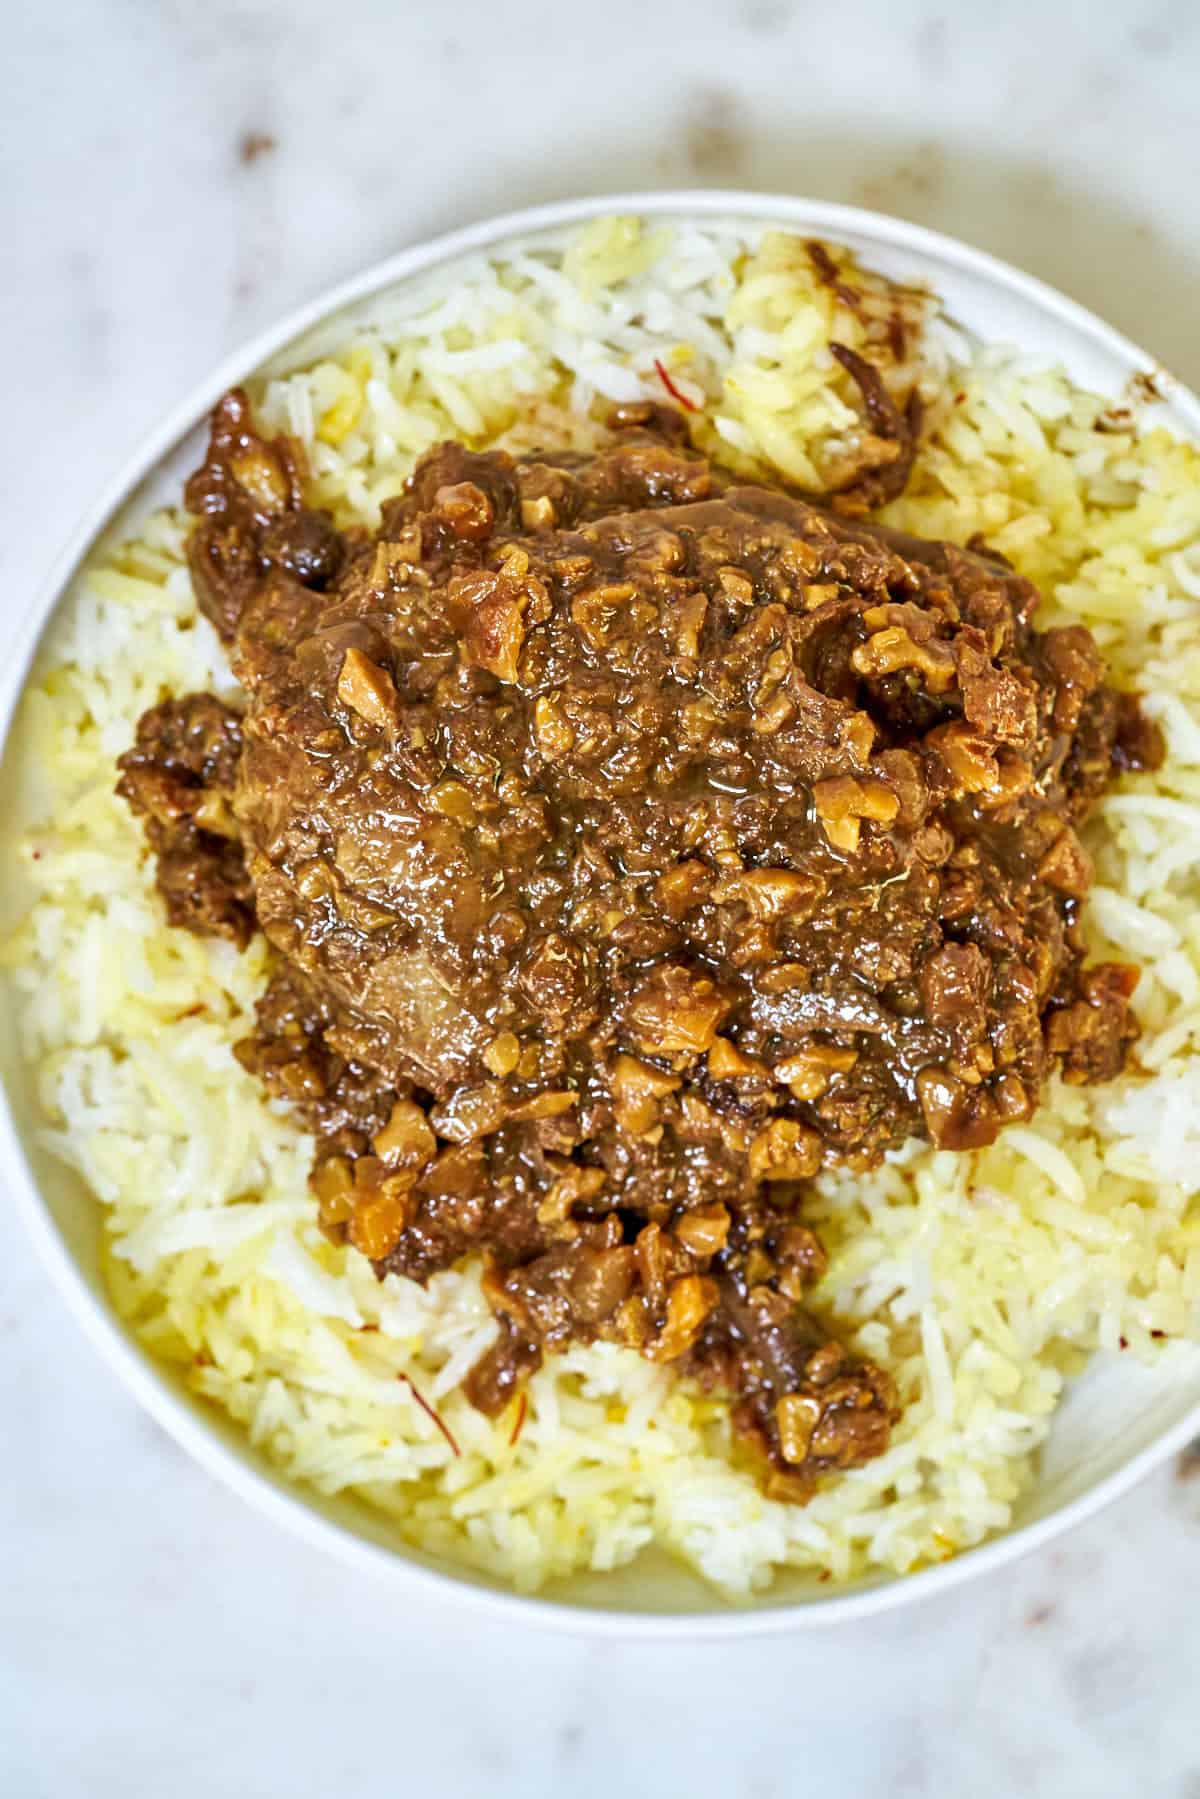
(290, 1507)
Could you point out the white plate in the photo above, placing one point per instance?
(1116, 1423)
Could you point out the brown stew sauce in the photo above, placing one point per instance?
(633, 842)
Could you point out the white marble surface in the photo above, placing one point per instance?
(174, 175)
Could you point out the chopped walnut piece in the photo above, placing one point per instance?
(682, 887)
(1014, 777)
(736, 585)
(727, 1063)
(470, 1113)
(215, 815)
(843, 801)
(368, 690)
(1000, 702)
(784, 977)
(784, 1151)
(538, 514)
(466, 509)
(1066, 866)
(454, 800)
(380, 1220)
(957, 1114)
(259, 470)
(796, 1417)
(774, 893)
(598, 610)
(687, 618)
(637, 1089)
(554, 735)
(1093, 1034)
(573, 1188)
(503, 1053)
(406, 1140)
(333, 1184)
(401, 553)
(970, 759)
(690, 1300)
(654, 1260)
(674, 1012)
(704, 1231)
(494, 633)
(819, 593)
(892, 648)
(1071, 652)
(809, 1072)
(551, 1104)
(858, 734)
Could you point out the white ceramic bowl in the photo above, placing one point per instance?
(1117, 1422)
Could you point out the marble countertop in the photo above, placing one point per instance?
(173, 177)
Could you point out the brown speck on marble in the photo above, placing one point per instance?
(1036, 182)
(1187, 1468)
(912, 179)
(715, 141)
(1039, 1615)
(254, 144)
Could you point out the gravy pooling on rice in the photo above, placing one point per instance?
(634, 841)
